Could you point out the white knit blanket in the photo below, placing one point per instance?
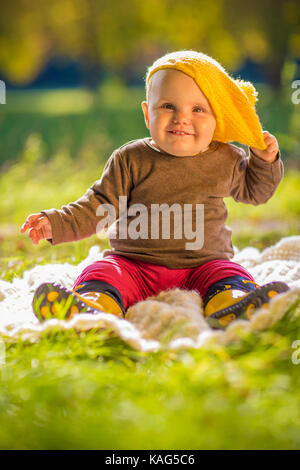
(171, 320)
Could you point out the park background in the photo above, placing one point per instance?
(74, 74)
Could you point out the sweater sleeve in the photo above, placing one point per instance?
(255, 180)
(80, 219)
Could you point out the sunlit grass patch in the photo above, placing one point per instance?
(73, 120)
(90, 390)
(52, 102)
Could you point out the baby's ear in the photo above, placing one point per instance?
(144, 105)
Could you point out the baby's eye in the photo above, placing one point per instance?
(198, 109)
(168, 106)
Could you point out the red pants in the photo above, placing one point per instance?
(136, 280)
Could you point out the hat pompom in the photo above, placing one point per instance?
(249, 90)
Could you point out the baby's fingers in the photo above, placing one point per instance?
(34, 236)
(40, 223)
(30, 221)
(269, 138)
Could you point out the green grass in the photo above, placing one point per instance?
(75, 120)
(90, 390)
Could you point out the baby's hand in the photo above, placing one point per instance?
(39, 227)
(270, 153)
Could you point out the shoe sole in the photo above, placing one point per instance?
(245, 307)
(54, 301)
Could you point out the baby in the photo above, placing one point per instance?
(162, 199)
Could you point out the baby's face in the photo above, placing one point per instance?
(177, 114)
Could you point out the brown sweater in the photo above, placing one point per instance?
(147, 176)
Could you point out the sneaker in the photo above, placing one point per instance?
(52, 300)
(258, 298)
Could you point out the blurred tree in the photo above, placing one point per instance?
(268, 32)
(125, 36)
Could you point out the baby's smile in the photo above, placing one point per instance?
(178, 133)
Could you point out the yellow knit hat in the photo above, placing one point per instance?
(232, 101)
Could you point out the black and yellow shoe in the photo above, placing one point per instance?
(51, 300)
(231, 304)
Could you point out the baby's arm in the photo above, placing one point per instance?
(256, 178)
(79, 219)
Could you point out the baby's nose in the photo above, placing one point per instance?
(181, 117)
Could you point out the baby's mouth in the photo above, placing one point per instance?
(180, 133)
